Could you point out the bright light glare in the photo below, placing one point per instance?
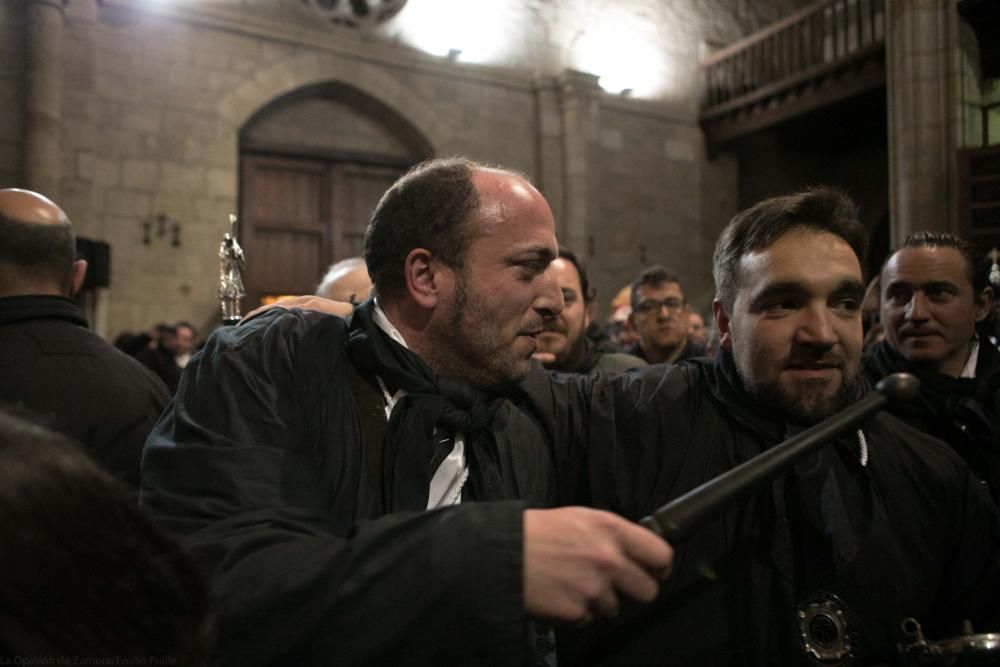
(622, 47)
(622, 53)
(474, 28)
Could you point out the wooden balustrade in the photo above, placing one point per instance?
(800, 46)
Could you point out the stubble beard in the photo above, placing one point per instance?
(469, 348)
(808, 403)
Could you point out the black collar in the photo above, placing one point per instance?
(37, 307)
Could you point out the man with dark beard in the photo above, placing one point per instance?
(564, 344)
(822, 565)
(301, 452)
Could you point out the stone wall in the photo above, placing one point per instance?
(155, 96)
(12, 83)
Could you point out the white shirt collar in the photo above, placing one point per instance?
(970, 365)
(385, 325)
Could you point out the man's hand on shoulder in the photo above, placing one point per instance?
(308, 302)
(579, 561)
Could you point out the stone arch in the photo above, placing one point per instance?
(312, 70)
(393, 125)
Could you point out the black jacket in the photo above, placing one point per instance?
(691, 351)
(910, 534)
(62, 374)
(160, 360)
(318, 555)
(961, 411)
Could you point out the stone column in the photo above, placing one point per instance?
(548, 173)
(43, 102)
(580, 108)
(921, 41)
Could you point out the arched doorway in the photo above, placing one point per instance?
(313, 164)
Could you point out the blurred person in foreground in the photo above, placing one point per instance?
(83, 573)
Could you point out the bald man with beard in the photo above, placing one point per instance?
(51, 366)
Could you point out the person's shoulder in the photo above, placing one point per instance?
(914, 452)
(611, 362)
(125, 365)
(280, 326)
(654, 383)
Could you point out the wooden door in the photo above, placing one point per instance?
(299, 215)
(284, 228)
(357, 189)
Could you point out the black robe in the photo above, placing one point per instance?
(261, 467)
(911, 534)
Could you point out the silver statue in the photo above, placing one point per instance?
(231, 275)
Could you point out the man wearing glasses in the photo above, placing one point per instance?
(660, 316)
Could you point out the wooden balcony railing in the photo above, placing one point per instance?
(795, 50)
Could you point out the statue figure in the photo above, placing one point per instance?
(231, 275)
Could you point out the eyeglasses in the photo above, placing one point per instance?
(672, 304)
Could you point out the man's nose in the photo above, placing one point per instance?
(816, 327)
(916, 309)
(549, 302)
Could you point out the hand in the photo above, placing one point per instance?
(578, 561)
(308, 302)
(544, 357)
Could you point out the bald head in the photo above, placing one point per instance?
(346, 281)
(30, 208)
(37, 248)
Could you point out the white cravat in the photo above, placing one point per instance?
(450, 477)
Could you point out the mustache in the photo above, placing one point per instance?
(910, 330)
(814, 358)
(555, 325)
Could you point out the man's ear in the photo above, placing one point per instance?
(984, 303)
(589, 311)
(423, 277)
(722, 325)
(76, 276)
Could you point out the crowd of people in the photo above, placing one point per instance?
(442, 457)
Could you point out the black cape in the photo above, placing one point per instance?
(261, 467)
(911, 534)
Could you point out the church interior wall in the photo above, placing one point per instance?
(851, 154)
(12, 83)
(154, 101)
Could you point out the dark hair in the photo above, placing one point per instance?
(428, 207)
(823, 209)
(977, 264)
(82, 570)
(35, 252)
(588, 292)
(653, 276)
